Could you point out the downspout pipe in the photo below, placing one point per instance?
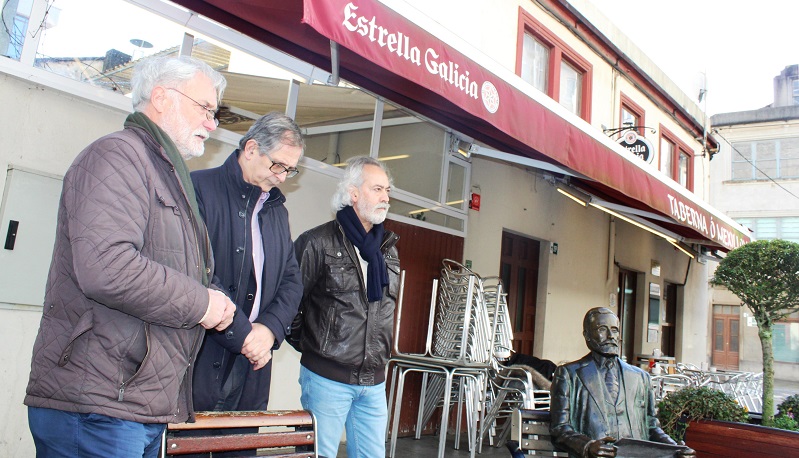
(611, 254)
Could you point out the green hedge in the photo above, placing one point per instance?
(679, 408)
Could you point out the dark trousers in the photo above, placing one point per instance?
(231, 394)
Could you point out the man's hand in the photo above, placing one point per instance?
(601, 447)
(220, 311)
(258, 345)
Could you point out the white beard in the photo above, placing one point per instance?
(375, 215)
(188, 143)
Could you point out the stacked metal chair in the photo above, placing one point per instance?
(469, 334)
(456, 356)
(510, 387)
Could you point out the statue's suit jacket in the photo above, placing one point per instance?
(579, 411)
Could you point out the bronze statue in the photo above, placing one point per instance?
(600, 399)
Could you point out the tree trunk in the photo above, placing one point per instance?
(768, 373)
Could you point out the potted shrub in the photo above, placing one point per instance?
(679, 408)
(788, 413)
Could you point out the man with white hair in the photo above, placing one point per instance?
(128, 295)
(350, 272)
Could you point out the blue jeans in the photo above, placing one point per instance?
(58, 433)
(362, 409)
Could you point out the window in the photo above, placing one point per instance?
(12, 38)
(795, 87)
(676, 159)
(535, 63)
(785, 228)
(666, 155)
(786, 339)
(552, 67)
(763, 159)
(631, 115)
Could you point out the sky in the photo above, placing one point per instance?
(740, 45)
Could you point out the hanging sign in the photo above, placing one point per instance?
(638, 145)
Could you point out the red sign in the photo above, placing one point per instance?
(474, 204)
(387, 39)
(383, 36)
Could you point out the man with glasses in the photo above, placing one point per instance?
(128, 294)
(249, 229)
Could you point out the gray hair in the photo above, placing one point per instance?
(169, 71)
(353, 178)
(271, 131)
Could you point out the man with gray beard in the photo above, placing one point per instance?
(129, 292)
(350, 273)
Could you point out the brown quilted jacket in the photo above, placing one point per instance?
(119, 327)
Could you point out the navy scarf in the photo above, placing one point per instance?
(368, 244)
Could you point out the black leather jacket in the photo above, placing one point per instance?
(341, 335)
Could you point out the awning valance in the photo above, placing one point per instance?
(385, 51)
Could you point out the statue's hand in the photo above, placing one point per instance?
(600, 447)
(686, 451)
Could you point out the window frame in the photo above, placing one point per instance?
(626, 103)
(754, 166)
(559, 52)
(680, 148)
(781, 224)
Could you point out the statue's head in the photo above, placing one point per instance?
(601, 331)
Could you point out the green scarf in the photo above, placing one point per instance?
(139, 119)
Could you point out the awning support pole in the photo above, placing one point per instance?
(334, 78)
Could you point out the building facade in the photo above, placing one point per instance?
(558, 157)
(755, 180)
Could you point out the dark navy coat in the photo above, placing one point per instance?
(226, 203)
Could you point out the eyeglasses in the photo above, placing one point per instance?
(209, 113)
(277, 168)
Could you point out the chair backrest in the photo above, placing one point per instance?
(462, 327)
(530, 428)
(285, 431)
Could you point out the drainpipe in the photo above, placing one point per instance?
(611, 253)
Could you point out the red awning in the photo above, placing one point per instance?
(386, 53)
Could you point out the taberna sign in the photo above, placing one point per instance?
(638, 145)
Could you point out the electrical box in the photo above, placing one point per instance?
(27, 223)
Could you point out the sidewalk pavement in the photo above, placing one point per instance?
(783, 389)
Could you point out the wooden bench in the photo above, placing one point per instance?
(733, 440)
(279, 430)
(530, 428)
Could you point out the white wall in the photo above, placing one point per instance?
(577, 278)
(571, 282)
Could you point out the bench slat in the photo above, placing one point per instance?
(530, 428)
(245, 419)
(277, 431)
(184, 445)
